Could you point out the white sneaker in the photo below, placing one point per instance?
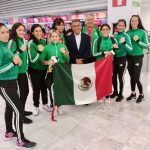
(47, 108)
(36, 111)
(60, 110)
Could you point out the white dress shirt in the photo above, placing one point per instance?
(78, 40)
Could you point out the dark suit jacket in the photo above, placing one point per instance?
(84, 49)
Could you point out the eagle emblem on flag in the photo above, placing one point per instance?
(85, 84)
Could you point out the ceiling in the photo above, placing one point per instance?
(18, 8)
(11, 8)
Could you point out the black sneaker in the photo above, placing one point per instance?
(113, 95)
(27, 120)
(25, 144)
(132, 96)
(27, 113)
(140, 99)
(119, 98)
(107, 96)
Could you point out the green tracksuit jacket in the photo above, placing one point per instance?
(22, 54)
(53, 49)
(124, 48)
(35, 54)
(8, 71)
(139, 45)
(106, 44)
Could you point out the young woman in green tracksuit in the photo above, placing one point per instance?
(54, 49)
(18, 46)
(9, 63)
(135, 59)
(105, 45)
(59, 25)
(120, 58)
(91, 30)
(37, 71)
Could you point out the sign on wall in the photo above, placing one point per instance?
(117, 3)
(136, 3)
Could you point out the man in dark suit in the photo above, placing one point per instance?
(78, 44)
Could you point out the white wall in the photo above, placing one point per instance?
(114, 14)
(123, 12)
(145, 16)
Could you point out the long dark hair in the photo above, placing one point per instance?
(57, 22)
(122, 20)
(32, 37)
(140, 25)
(13, 33)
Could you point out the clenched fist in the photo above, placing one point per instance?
(122, 40)
(17, 60)
(115, 46)
(63, 50)
(135, 38)
(23, 47)
(40, 48)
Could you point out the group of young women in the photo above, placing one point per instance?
(17, 59)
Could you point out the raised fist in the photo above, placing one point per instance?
(135, 38)
(17, 60)
(23, 47)
(40, 48)
(63, 50)
(122, 40)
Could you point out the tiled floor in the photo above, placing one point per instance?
(99, 126)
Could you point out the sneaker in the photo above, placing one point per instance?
(26, 144)
(140, 99)
(113, 95)
(27, 120)
(107, 96)
(132, 96)
(119, 98)
(47, 108)
(59, 110)
(10, 135)
(36, 111)
(27, 113)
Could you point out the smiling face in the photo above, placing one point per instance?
(4, 34)
(37, 33)
(20, 31)
(54, 37)
(105, 31)
(76, 27)
(60, 28)
(134, 22)
(89, 21)
(121, 26)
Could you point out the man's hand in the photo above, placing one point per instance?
(79, 61)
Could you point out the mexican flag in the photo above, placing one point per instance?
(76, 84)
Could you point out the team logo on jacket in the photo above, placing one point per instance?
(85, 84)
